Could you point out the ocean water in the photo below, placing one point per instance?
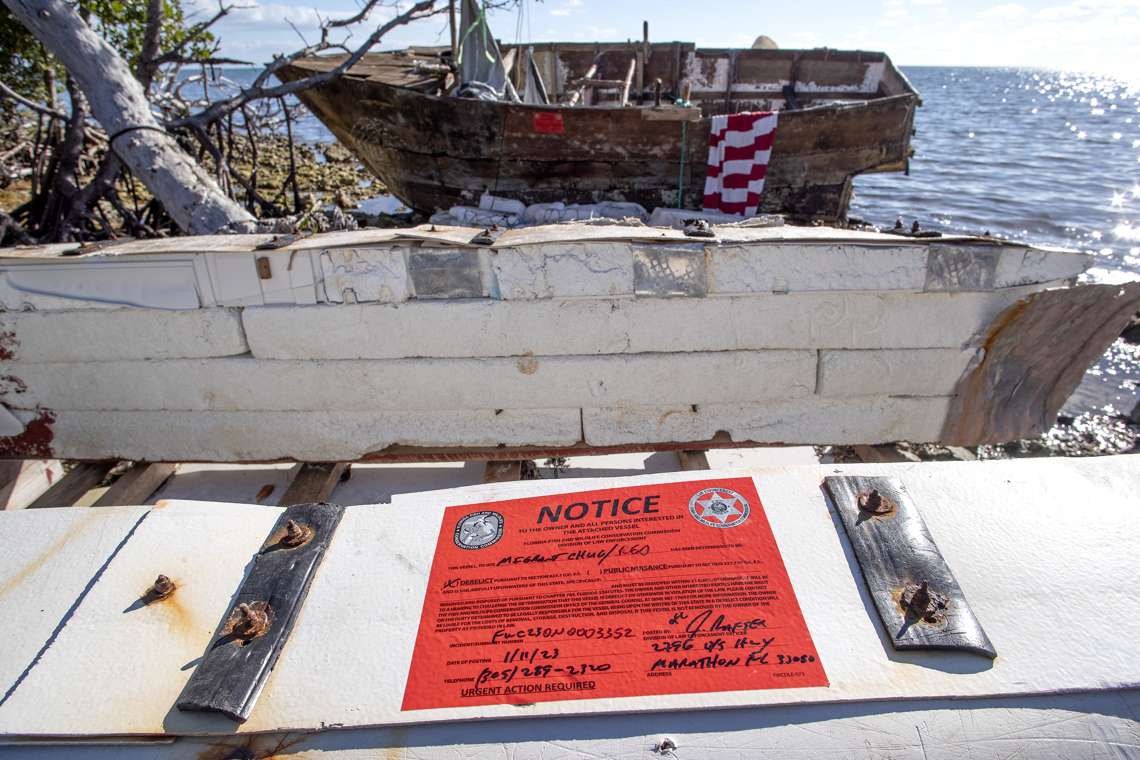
(1047, 157)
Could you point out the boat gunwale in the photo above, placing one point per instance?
(860, 98)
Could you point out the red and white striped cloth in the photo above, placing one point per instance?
(739, 148)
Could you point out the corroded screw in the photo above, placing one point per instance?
(920, 599)
(250, 622)
(924, 604)
(295, 534)
(875, 503)
(163, 587)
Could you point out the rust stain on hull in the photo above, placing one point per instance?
(27, 571)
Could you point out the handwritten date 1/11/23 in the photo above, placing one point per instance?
(520, 654)
(573, 670)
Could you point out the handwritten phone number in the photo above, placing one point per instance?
(506, 675)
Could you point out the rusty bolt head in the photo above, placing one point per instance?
(296, 533)
(250, 622)
(919, 602)
(875, 503)
(163, 587)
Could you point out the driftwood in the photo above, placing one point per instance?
(919, 601)
(1036, 353)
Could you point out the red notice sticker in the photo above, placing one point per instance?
(675, 588)
(549, 123)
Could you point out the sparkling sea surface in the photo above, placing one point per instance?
(1047, 157)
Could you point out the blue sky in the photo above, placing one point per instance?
(1092, 35)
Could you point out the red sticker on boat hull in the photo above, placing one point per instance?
(549, 123)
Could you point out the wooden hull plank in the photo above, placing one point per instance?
(164, 436)
(624, 326)
(813, 420)
(406, 385)
(99, 335)
(1036, 353)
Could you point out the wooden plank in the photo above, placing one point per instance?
(249, 639)
(136, 485)
(24, 480)
(693, 459)
(503, 472)
(628, 82)
(10, 471)
(1036, 353)
(314, 482)
(919, 600)
(881, 454)
(577, 94)
(72, 486)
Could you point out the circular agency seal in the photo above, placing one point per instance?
(478, 530)
(718, 508)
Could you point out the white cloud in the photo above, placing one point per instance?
(1005, 11)
(566, 8)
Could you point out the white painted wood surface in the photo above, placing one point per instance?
(622, 326)
(618, 325)
(863, 419)
(301, 436)
(100, 335)
(1072, 726)
(524, 382)
(1039, 573)
(171, 539)
(913, 372)
(561, 261)
(45, 567)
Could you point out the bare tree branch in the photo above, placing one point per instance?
(174, 55)
(152, 34)
(258, 90)
(8, 92)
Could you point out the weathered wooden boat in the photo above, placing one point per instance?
(842, 113)
(80, 608)
(379, 344)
